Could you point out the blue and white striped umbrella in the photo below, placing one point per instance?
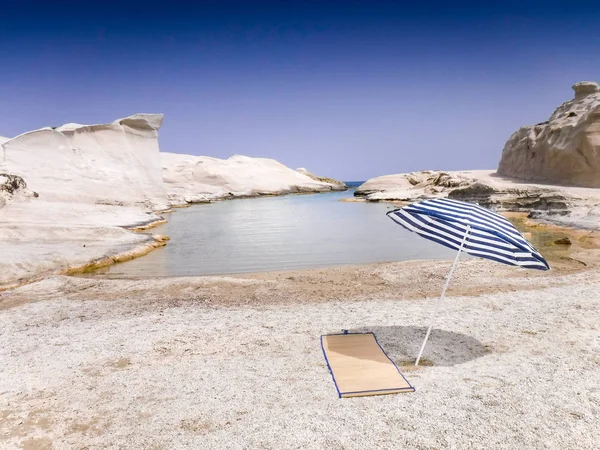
(470, 228)
(489, 235)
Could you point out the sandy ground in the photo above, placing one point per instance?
(235, 362)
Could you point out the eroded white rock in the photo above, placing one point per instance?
(67, 193)
(116, 163)
(191, 179)
(563, 150)
(563, 205)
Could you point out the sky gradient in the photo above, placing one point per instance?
(346, 89)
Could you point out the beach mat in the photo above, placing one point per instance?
(359, 366)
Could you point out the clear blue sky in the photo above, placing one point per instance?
(346, 89)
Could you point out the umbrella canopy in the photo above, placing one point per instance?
(470, 228)
(490, 235)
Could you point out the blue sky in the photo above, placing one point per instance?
(346, 89)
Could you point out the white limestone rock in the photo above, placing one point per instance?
(562, 205)
(67, 193)
(564, 150)
(406, 186)
(116, 163)
(192, 179)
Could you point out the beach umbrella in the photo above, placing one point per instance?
(468, 228)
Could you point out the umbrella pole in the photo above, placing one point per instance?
(439, 302)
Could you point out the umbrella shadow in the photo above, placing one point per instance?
(444, 348)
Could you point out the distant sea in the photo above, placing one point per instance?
(353, 183)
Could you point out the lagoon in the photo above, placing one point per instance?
(278, 233)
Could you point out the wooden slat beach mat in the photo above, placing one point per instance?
(360, 367)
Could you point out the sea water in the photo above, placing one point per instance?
(278, 233)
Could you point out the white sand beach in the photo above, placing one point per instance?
(162, 364)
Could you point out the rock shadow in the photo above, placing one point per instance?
(444, 348)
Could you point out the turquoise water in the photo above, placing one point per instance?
(278, 233)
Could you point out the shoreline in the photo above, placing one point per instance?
(403, 281)
(160, 241)
(409, 279)
(532, 225)
(256, 196)
(132, 250)
(122, 256)
(137, 252)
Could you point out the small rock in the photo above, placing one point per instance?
(563, 241)
(11, 183)
(475, 191)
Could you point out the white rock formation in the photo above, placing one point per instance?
(563, 150)
(66, 193)
(192, 179)
(570, 206)
(410, 185)
(116, 163)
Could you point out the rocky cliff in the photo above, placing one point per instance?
(563, 150)
(67, 193)
(116, 163)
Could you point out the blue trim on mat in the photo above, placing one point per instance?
(410, 388)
